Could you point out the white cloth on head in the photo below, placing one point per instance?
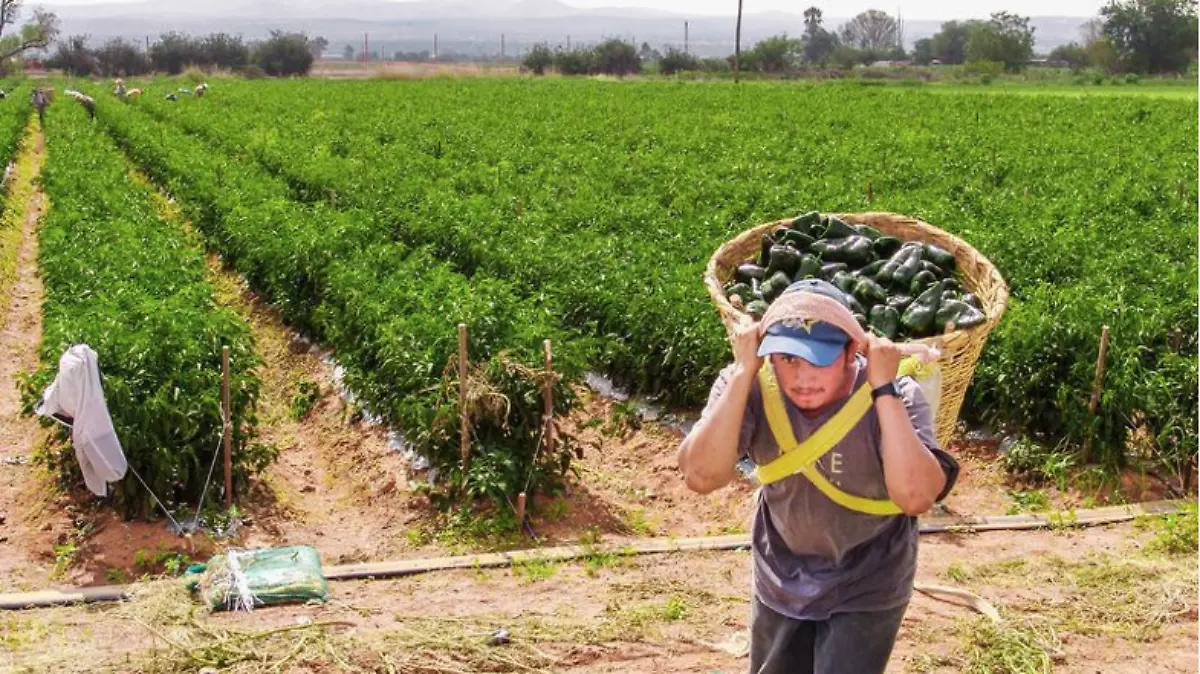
(76, 394)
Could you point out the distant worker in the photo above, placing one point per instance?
(84, 100)
(119, 89)
(89, 103)
(40, 101)
(203, 87)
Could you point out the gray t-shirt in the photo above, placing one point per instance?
(813, 557)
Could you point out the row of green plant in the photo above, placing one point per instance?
(658, 175)
(13, 118)
(14, 115)
(131, 285)
(607, 201)
(388, 309)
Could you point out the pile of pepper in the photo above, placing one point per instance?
(897, 289)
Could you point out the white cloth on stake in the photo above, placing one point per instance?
(77, 398)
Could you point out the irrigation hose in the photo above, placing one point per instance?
(409, 567)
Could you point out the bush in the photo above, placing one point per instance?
(677, 60)
(538, 60)
(992, 68)
(251, 71)
(1036, 463)
(845, 57)
(614, 57)
(220, 50)
(284, 54)
(73, 57)
(175, 51)
(118, 58)
(574, 62)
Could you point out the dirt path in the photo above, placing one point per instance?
(336, 486)
(29, 529)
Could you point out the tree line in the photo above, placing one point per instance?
(281, 54)
(1129, 36)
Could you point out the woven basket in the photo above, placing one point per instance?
(960, 348)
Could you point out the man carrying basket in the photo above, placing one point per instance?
(843, 444)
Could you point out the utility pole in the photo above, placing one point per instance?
(737, 45)
(502, 47)
(435, 46)
(685, 37)
(366, 47)
(568, 43)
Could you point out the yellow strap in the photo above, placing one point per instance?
(869, 506)
(800, 457)
(794, 455)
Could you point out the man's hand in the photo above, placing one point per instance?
(883, 360)
(745, 345)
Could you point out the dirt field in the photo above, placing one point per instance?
(1118, 598)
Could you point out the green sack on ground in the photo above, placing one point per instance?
(245, 579)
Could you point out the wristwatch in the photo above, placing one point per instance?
(888, 389)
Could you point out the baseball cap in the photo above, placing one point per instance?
(817, 342)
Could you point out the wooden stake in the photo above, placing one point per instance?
(520, 509)
(227, 432)
(548, 399)
(869, 196)
(1094, 403)
(1098, 381)
(464, 425)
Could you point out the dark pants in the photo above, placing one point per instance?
(846, 643)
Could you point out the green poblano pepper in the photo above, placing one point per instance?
(884, 320)
(919, 317)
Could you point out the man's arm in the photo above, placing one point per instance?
(913, 475)
(709, 453)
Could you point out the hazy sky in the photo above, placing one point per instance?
(912, 9)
